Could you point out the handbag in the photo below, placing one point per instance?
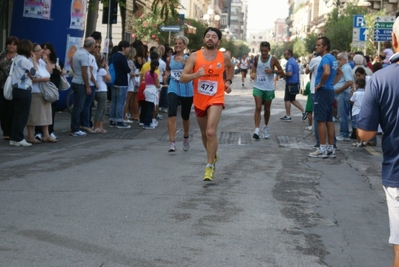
(64, 84)
(293, 88)
(7, 90)
(49, 91)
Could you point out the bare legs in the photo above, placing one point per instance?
(208, 126)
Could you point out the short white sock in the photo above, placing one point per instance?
(256, 131)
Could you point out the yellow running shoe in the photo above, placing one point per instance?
(209, 171)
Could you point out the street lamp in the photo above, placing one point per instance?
(210, 17)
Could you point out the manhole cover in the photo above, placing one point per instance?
(235, 138)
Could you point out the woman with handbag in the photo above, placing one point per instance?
(40, 109)
(55, 68)
(7, 106)
(24, 71)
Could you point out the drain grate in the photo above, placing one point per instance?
(121, 134)
(235, 138)
(293, 142)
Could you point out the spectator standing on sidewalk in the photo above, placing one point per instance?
(342, 95)
(380, 106)
(311, 69)
(324, 99)
(263, 70)
(119, 88)
(291, 75)
(80, 83)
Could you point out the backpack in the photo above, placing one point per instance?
(111, 70)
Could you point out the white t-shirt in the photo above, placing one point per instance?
(357, 99)
(313, 65)
(102, 86)
(93, 63)
(162, 69)
(43, 73)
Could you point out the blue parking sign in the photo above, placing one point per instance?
(359, 21)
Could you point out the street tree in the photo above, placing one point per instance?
(339, 26)
(166, 8)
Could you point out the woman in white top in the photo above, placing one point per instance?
(132, 105)
(103, 76)
(40, 109)
(23, 72)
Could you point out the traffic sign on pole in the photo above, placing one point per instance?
(383, 28)
(359, 33)
(169, 28)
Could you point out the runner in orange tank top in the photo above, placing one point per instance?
(205, 68)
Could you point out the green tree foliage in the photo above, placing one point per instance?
(277, 49)
(310, 42)
(339, 26)
(166, 8)
(299, 48)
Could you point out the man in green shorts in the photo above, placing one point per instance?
(263, 70)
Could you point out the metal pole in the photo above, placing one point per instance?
(109, 30)
(169, 38)
(379, 48)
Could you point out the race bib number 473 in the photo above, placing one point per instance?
(207, 87)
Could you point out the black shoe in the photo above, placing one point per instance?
(353, 135)
(316, 145)
(256, 136)
(304, 116)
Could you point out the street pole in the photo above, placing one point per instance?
(109, 29)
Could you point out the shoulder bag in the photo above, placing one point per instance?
(49, 91)
(293, 88)
(64, 84)
(7, 90)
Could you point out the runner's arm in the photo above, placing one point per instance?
(187, 74)
(254, 67)
(276, 65)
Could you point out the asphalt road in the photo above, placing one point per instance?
(120, 199)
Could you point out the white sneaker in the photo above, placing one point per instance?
(172, 147)
(309, 128)
(153, 124)
(22, 143)
(12, 143)
(186, 144)
(53, 136)
(127, 121)
(38, 136)
(319, 154)
(266, 134)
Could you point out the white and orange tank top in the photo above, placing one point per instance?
(209, 89)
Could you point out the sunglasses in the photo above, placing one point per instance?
(97, 46)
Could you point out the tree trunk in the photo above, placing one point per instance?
(92, 16)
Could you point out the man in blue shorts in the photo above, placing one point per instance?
(380, 106)
(324, 99)
(263, 70)
(291, 76)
